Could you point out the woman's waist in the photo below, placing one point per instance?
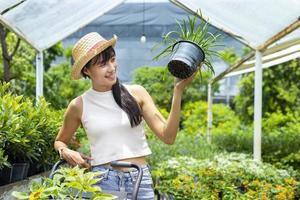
(140, 161)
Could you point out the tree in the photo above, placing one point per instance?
(159, 83)
(6, 56)
(281, 91)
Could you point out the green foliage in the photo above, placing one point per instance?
(293, 159)
(238, 140)
(17, 132)
(22, 61)
(186, 145)
(228, 55)
(60, 89)
(27, 132)
(188, 30)
(226, 176)
(3, 160)
(193, 145)
(22, 67)
(281, 89)
(280, 143)
(68, 183)
(51, 54)
(47, 123)
(159, 84)
(195, 118)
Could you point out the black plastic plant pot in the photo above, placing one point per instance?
(17, 172)
(185, 59)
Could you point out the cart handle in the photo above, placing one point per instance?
(113, 164)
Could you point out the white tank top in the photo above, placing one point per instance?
(108, 129)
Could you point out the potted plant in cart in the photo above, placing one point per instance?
(189, 46)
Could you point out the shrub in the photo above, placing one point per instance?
(185, 145)
(238, 140)
(293, 159)
(280, 91)
(27, 131)
(60, 89)
(18, 133)
(159, 83)
(280, 143)
(3, 160)
(195, 118)
(226, 176)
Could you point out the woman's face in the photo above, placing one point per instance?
(103, 75)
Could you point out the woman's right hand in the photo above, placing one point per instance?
(75, 158)
(180, 84)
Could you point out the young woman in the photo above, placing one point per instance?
(112, 116)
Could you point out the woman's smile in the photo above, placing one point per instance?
(111, 77)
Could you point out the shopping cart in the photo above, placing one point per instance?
(119, 194)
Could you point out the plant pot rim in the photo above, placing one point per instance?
(188, 41)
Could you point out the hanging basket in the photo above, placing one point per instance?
(185, 59)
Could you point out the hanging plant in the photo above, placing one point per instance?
(189, 46)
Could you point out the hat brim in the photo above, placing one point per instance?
(82, 61)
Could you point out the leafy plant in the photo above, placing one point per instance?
(160, 86)
(281, 91)
(194, 117)
(190, 31)
(226, 176)
(25, 57)
(280, 143)
(3, 160)
(60, 89)
(68, 183)
(229, 56)
(17, 132)
(26, 130)
(186, 145)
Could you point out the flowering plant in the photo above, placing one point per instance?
(227, 176)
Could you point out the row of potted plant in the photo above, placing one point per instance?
(27, 132)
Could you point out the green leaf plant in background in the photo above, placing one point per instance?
(161, 87)
(3, 159)
(67, 183)
(27, 130)
(281, 91)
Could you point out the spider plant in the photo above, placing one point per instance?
(198, 34)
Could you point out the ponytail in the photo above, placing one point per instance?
(127, 103)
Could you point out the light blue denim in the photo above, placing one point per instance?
(115, 180)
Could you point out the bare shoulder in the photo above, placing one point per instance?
(138, 92)
(75, 107)
(136, 89)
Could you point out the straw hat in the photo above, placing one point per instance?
(86, 48)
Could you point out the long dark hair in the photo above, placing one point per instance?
(121, 95)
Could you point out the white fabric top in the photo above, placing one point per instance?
(109, 131)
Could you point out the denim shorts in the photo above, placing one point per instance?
(119, 181)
